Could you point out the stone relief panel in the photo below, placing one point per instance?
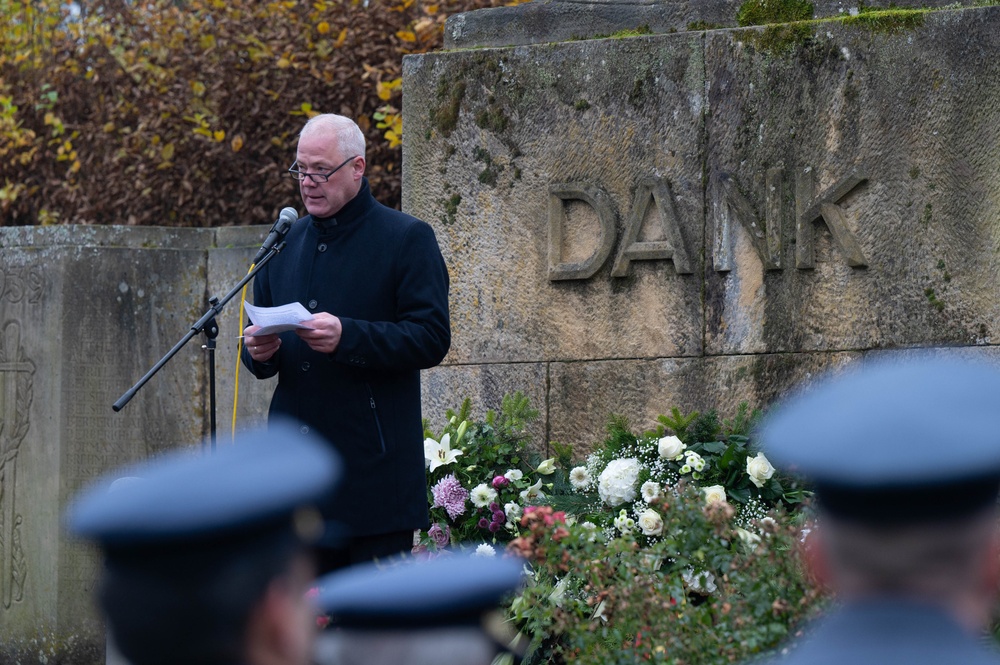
(16, 392)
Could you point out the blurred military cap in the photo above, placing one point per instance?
(266, 482)
(896, 440)
(451, 590)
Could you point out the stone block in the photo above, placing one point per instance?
(530, 162)
(85, 312)
(584, 396)
(865, 156)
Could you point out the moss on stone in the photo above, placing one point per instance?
(633, 32)
(492, 118)
(887, 21)
(782, 38)
(488, 176)
(581, 105)
(445, 115)
(933, 300)
(698, 26)
(451, 208)
(767, 12)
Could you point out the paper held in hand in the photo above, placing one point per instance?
(278, 319)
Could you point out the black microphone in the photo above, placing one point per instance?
(278, 232)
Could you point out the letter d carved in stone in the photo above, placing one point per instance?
(597, 198)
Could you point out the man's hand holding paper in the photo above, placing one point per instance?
(261, 338)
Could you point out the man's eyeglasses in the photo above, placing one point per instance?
(317, 177)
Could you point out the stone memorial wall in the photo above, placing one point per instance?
(707, 217)
(85, 312)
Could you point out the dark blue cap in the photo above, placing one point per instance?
(905, 439)
(451, 590)
(266, 481)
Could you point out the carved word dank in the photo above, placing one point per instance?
(727, 204)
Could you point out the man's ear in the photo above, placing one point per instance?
(991, 566)
(272, 634)
(817, 562)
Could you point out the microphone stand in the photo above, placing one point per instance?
(208, 325)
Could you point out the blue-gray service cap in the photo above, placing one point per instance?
(901, 440)
(267, 482)
(451, 590)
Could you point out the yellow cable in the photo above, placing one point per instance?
(239, 354)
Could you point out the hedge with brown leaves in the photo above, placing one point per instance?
(186, 113)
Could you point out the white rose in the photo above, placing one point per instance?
(759, 470)
(670, 447)
(650, 522)
(650, 491)
(513, 512)
(513, 474)
(714, 493)
(616, 484)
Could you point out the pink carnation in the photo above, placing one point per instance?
(450, 495)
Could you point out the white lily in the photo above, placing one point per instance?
(533, 492)
(547, 467)
(440, 453)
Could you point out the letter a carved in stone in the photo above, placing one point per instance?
(658, 191)
(597, 198)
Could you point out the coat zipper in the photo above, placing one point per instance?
(378, 425)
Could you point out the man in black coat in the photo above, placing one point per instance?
(377, 287)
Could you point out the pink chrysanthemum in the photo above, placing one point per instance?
(450, 495)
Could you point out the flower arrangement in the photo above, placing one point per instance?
(711, 589)
(480, 476)
(630, 473)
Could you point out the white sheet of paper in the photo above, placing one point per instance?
(278, 319)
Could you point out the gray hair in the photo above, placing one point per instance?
(936, 559)
(350, 139)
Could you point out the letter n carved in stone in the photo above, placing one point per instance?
(597, 198)
(765, 235)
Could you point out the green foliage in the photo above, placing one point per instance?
(488, 458)
(718, 581)
(711, 592)
(186, 114)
